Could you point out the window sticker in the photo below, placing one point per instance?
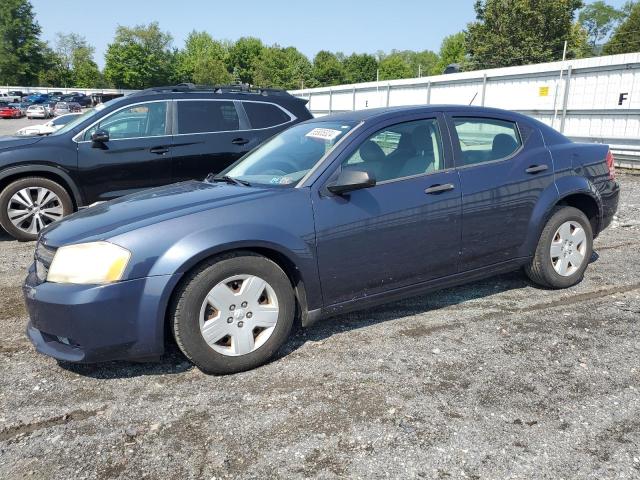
(323, 133)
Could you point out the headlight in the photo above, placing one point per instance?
(89, 263)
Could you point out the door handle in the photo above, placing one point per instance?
(439, 188)
(239, 141)
(159, 150)
(536, 168)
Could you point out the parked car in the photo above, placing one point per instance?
(22, 106)
(49, 127)
(7, 98)
(49, 107)
(339, 213)
(37, 98)
(16, 95)
(97, 98)
(81, 99)
(146, 139)
(62, 108)
(37, 111)
(11, 111)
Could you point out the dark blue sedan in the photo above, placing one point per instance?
(334, 214)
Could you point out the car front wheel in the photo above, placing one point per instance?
(564, 250)
(233, 313)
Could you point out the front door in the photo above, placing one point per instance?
(137, 155)
(504, 166)
(402, 231)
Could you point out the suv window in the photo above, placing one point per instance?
(264, 115)
(207, 116)
(137, 121)
(485, 139)
(401, 150)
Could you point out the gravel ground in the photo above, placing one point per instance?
(497, 379)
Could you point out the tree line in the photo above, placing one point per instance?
(504, 33)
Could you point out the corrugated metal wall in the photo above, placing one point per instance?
(594, 99)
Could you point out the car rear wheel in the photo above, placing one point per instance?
(233, 313)
(563, 251)
(30, 204)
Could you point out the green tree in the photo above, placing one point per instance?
(21, 50)
(452, 50)
(279, 67)
(75, 66)
(243, 55)
(360, 68)
(328, 69)
(86, 73)
(140, 57)
(598, 19)
(203, 60)
(395, 66)
(626, 38)
(517, 32)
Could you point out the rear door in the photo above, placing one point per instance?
(209, 136)
(504, 166)
(137, 155)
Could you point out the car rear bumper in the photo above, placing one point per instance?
(95, 323)
(610, 195)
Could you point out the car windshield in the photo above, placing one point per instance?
(92, 112)
(287, 157)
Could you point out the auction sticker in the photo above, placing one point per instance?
(323, 133)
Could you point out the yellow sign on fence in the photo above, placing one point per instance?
(544, 91)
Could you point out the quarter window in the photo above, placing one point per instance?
(264, 115)
(484, 140)
(137, 121)
(207, 117)
(402, 150)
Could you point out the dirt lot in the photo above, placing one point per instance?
(497, 379)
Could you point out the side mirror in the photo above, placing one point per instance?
(100, 136)
(350, 180)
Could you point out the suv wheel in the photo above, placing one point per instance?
(233, 313)
(30, 204)
(563, 251)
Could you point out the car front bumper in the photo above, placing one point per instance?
(96, 323)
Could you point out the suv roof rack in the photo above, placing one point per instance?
(239, 88)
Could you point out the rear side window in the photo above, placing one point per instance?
(265, 115)
(207, 117)
(484, 139)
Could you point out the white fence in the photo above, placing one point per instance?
(594, 99)
(86, 91)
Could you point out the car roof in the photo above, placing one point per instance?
(377, 114)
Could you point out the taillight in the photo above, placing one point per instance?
(611, 165)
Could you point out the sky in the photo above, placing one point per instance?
(363, 26)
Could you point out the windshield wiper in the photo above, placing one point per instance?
(227, 179)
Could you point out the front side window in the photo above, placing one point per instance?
(265, 115)
(401, 150)
(136, 121)
(195, 116)
(287, 157)
(484, 139)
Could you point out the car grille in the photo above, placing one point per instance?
(43, 258)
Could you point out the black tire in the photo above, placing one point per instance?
(185, 312)
(541, 270)
(12, 188)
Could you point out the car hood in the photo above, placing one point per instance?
(109, 219)
(14, 142)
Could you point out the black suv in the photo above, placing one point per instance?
(146, 139)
